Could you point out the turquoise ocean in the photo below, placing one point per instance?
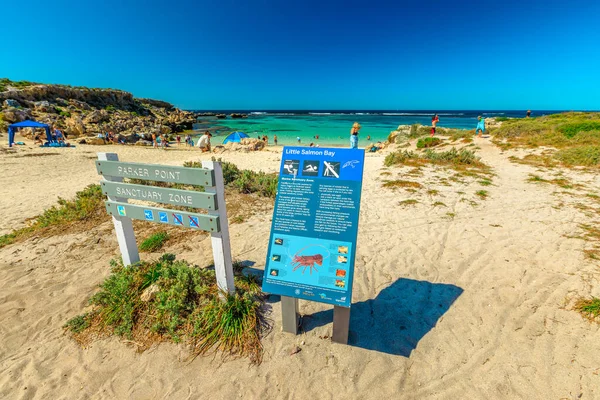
(333, 128)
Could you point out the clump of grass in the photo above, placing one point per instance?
(588, 156)
(154, 242)
(245, 181)
(169, 300)
(483, 194)
(536, 178)
(408, 202)
(438, 204)
(592, 254)
(452, 157)
(589, 308)
(427, 142)
(402, 184)
(562, 182)
(433, 192)
(485, 182)
(87, 207)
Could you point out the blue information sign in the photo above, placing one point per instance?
(315, 222)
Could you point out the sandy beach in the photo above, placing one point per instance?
(455, 296)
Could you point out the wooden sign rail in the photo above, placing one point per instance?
(210, 176)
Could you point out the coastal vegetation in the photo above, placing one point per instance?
(154, 242)
(574, 138)
(453, 157)
(427, 142)
(170, 300)
(589, 308)
(243, 180)
(85, 210)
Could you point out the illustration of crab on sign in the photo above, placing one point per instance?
(312, 245)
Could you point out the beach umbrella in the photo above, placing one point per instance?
(235, 137)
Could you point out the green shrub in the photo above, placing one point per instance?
(399, 157)
(573, 128)
(582, 155)
(427, 142)
(154, 242)
(110, 108)
(589, 308)
(150, 302)
(87, 205)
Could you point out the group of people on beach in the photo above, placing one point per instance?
(56, 135)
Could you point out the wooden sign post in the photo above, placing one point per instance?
(213, 199)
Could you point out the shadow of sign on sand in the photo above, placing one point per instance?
(394, 322)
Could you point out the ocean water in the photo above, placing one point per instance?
(333, 127)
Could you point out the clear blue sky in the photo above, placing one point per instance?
(225, 54)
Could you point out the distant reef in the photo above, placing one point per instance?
(82, 111)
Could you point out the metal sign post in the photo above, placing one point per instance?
(213, 200)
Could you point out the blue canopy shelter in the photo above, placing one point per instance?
(26, 124)
(235, 137)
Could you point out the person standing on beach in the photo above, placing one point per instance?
(480, 126)
(528, 114)
(154, 144)
(434, 120)
(178, 140)
(354, 135)
(298, 139)
(275, 139)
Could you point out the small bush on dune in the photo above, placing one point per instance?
(589, 308)
(584, 155)
(87, 206)
(575, 134)
(171, 300)
(428, 142)
(245, 181)
(154, 242)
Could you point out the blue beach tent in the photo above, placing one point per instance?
(26, 124)
(235, 137)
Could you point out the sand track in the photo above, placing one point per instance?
(471, 305)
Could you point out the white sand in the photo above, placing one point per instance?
(475, 305)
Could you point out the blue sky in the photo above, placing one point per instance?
(312, 55)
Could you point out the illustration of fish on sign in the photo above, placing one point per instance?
(307, 257)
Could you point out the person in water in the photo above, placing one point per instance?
(434, 120)
(480, 126)
(354, 135)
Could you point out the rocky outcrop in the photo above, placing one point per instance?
(246, 145)
(74, 127)
(83, 111)
(12, 115)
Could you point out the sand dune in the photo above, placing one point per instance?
(454, 300)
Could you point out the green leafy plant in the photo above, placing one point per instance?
(589, 308)
(150, 302)
(154, 242)
(427, 142)
(87, 206)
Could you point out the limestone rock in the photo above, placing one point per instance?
(44, 106)
(82, 105)
(95, 141)
(149, 292)
(13, 115)
(96, 117)
(75, 126)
